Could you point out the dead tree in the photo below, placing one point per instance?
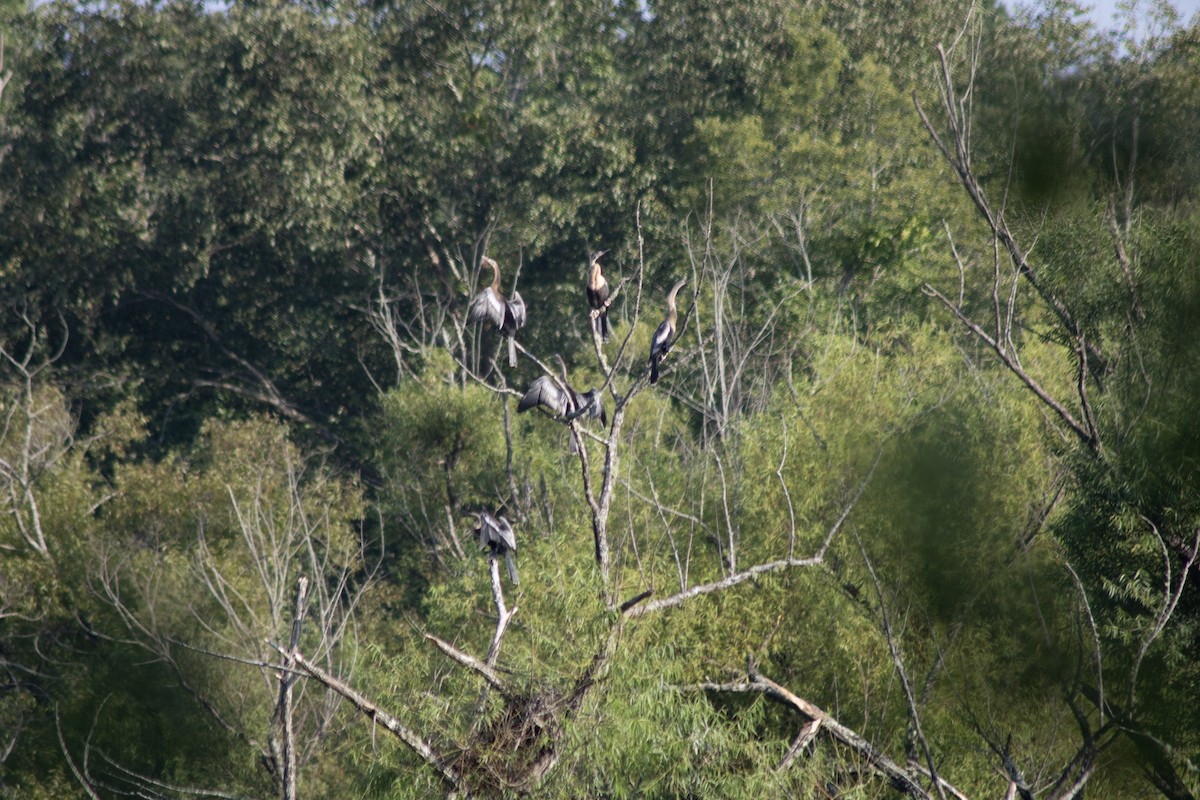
(36, 431)
(1100, 721)
(286, 532)
(1012, 268)
(516, 748)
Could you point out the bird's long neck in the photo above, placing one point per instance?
(491, 262)
(672, 314)
(597, 278)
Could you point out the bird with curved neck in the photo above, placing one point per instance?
(598, 292)
(563, 401)
(661, 343)
(507, 314)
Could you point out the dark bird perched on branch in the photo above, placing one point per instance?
(496, 535)
(597, 294)
(661, 343)
(508, 314)
(562, 400)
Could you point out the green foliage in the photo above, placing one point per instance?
(829, 172)
(205, 201)
(189, 176)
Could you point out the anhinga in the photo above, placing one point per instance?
(597, 293)
(661, 343)
(562, 400)
(496, 535)
(508, 314)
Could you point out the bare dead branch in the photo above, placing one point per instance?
(470, 662)
(1078, 428)
(284, 525)
(808, 732)
(1087, 607)
(503, 615)
(898, 663)
(726, 583)
(37, 423)
(5, 74)
(877, 761)
(1170, 600)
(285, 745)
(1092, 363)
(141, 785)
(787, 495)
(269, 398)
(79, 776)
(433, 757)
(1124, 263)
(269, 394)
(767, 567)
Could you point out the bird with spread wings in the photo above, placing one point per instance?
(506, 313)
(560, 399)
(496, 535)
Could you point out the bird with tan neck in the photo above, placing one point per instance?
(507, 314)
(598, 292)
(660, 345)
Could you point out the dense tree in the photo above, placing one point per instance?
(911, 508)
(188, 175)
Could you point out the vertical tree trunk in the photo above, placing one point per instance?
(286, 680)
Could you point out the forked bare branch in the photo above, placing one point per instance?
(470, 662)
(424, 750)
(1092, 363)
(877, 761)
(735, 578)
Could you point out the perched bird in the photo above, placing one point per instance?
(496, 535)
(562, 400)
(591, 405)
(597, 294)
(661, 343)
(508, 314)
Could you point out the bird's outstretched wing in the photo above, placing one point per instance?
(591, 405)
(487, 305)
(496, 534)
(486, 526)
(507, 538)
(546, 393)
(515, 317)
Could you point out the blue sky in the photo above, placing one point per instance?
(1103, 11)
